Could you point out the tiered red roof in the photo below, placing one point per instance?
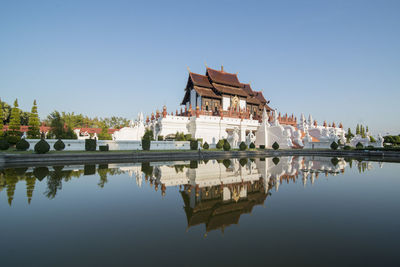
(217, 82)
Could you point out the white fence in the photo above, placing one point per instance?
(77, 145)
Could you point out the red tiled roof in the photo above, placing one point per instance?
(25, 128)
(223, 77)
(206, 92)
(247, 88)
(230, 90)
(200, 80)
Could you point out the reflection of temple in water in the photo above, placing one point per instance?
(214, 192)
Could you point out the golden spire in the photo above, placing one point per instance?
(188, 69)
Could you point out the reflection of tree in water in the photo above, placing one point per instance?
(54, 182)
(102, 171)
(11, 181)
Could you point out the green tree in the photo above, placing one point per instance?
(59, 129)
(358, 129)
(15, 124)
(6, 108)
(366, 129)
(362, 131)
(104, 135)
(349, 135)
(34, 123)
(30, 187)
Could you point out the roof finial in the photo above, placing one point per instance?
(205, 63)
(188, 69)
(222, 68)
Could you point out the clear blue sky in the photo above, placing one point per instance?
(338, 60)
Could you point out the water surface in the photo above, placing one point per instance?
(281, 211)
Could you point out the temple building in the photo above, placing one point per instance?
(218, 106)
(220, 92)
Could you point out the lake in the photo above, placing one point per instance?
(269, 211)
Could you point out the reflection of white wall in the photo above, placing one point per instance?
(242, 104)
(226, 103)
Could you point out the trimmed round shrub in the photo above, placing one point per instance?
(275, 160)
(160, 138)
(59, 145)
(335, 161)
(334, 145)
(242, 146)
(206, 146)
(22, 145)
(226, 146)
(275, 146)
(346, 147)
(243, 162)
(4, 145)
(40, 172)
(227, 163)
(262, 146)
(252, 145)
(220, 144)
(42, 147)
(12, 140)
(359, 145)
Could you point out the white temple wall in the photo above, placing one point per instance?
(171, 125)
(226, 103)
(79, 145)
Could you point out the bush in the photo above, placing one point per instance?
(160, 138)
(262, 146)
(243, 162)
(275, 160)
(372, 139)
(40, 172)
(42, 147)
(334, 145)
(59, 145)
(206, 146)
(90, 144)
(275, 146)
(370, 147)
(103, 148)
(194, 145)
(12, 139)
(146, 144)
(22, 145)
(346, 147)
(227, 163)
(335, 161)
(252, 145)
(226, 146)
(220, 144)
(188, 137)
(242, 146)
(4, 145)
(359, 145)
